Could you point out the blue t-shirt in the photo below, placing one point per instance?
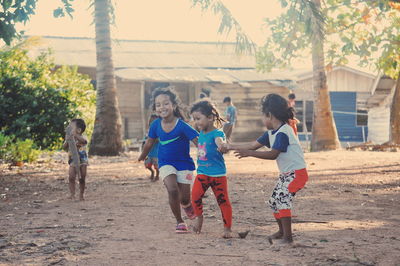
(174, 146)
(154, 150)
(230, 113)
(209, 160)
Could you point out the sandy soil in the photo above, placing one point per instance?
(348, 214)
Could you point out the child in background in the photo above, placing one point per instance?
(78, 127)
(211, 170)
(231, 115)
(152, 158)
(286, 150)
(292, 122)
(175, 164)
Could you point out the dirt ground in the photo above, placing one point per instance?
(348, 214)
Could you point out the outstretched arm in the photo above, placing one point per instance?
(254, 145)
(221, 144)
(268, 155)
(146, 148)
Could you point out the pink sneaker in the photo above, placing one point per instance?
(181, 228)
(189, 212)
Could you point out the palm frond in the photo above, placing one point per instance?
(244, 44)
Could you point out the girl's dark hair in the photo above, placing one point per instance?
(80, 123)
(207, 108)
(173, 96)
(152, 118)
(277, 106)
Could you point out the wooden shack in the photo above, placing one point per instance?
(142, 66)
(349, 90)
(378, 105)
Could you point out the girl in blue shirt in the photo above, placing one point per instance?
(211, 170)
(175, 164)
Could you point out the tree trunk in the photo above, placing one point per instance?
(395, 115)
(107, 134)
(324, 133)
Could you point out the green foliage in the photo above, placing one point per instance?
(368, 29)
(16, 150)
(291, 34)
(13, 12)
(23, 151)
(5, 143)
(37, 100)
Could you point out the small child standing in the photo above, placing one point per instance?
(152, 158)
(78, 127)
(286, 150)
(292, 121)
(231, 117)
(176, 165)
(211, 170)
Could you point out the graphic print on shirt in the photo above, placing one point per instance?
(165, 142)
(202, 152)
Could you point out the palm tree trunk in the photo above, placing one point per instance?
(395, 115)
(324, 133)
(107, 134)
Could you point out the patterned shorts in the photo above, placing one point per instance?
(286, 187)
(83, 158)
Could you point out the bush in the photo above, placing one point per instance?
(24, 151)
(37, 99)
(16, 150)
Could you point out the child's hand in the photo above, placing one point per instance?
(242, 153)
(141, 158)
(223, 148)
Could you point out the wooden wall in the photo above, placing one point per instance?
(339, 80)
(247, 101)
(129, 100)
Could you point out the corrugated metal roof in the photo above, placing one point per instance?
(147, 54)
(169, 60)
(193, 75)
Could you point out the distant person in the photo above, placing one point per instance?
(230, 117)
(152, 158)
(286, 150)
(176, 165)
(292, 103)
(78, 127)
(211, 169)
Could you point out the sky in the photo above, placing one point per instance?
(174, 20)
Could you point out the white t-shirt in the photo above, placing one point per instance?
(291, 155)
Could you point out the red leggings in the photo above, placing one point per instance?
(220, 188)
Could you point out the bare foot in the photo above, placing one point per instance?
(156, 178)
(81, 198)
(277, 235)
(198, 224)
(227, 233)
(71, 197)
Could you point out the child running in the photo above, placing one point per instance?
(152, 158)
(211, 170)
(176, 165)
(78, 127)
(286, 150)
